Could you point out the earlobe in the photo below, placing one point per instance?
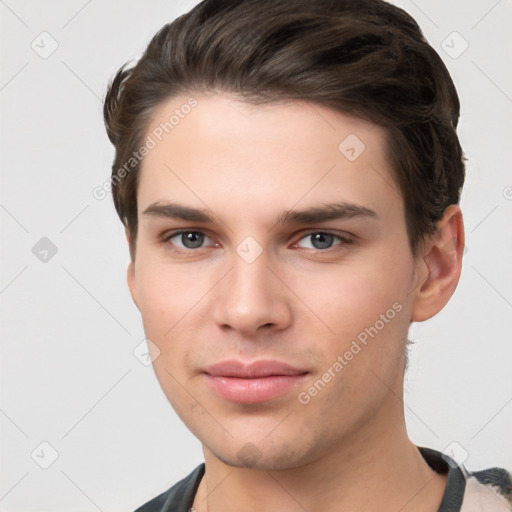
(130, 274)
(442, 258)
(132, 282)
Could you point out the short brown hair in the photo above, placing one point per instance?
(361, 57)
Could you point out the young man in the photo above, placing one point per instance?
(288, 173)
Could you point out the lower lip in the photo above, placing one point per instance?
(251, 391)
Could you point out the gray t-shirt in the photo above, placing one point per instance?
(488, 490)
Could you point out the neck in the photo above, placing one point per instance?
(377, 468)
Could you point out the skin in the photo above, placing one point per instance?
(245, 165)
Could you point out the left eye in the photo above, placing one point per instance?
(320, 241)
(188, 239)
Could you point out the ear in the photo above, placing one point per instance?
(132, 285)
(439, 266)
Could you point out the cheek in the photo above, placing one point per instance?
(359, 295)
(167, 301)
(167, 295)
(173, 302)
(365, 304)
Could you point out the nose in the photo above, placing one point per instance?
(251, 299)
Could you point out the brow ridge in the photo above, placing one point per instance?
(324, 213)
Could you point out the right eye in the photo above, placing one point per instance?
(189, 240)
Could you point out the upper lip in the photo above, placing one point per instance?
(252, 370)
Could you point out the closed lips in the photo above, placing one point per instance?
(255, 370)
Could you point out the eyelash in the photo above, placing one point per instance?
(342, 239)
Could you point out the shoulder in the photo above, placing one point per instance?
(179, 497)
(488, 490)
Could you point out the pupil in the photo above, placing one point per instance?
(322, 240)
(192, 240)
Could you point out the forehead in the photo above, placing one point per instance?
(217, 149)
(221, 119)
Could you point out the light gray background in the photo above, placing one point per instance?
(69, 328)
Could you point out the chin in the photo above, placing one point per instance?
(273, 458)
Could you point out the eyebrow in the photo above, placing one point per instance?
(324, 213)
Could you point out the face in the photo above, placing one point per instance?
(274, 277)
